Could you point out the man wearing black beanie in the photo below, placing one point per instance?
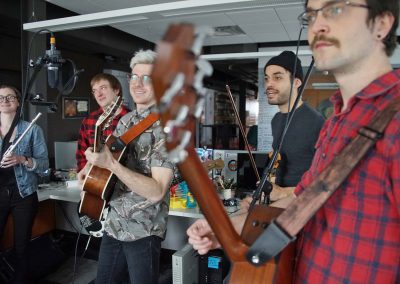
(298, 146)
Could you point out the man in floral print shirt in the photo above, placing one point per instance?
(137, 218)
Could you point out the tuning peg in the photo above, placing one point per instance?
(179, 154)
(198, 109)
(201, 33)
(204, 68)
(175, 87)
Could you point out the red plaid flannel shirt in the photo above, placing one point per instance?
(355, 236)
(87, 130)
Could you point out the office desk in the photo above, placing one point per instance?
(67, 217)
(66, 214)
(59, 191)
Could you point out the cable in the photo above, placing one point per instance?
(76, 256)
(292, 77)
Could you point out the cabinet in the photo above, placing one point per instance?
(218, 127)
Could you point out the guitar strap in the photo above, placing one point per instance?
(133, 132)
(287, 225)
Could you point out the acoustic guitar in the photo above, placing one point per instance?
(103, 122)
(177, 80)
(99, 182)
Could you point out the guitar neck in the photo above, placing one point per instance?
(203, 189)
(96, 143)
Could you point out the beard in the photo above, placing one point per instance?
(278, 98)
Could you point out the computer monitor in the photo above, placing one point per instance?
(246, 177)
(64, 155)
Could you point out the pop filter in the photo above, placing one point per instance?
(68, 77)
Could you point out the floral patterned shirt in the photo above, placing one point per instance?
(132, 216)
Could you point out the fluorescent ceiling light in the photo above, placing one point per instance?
(247, 55)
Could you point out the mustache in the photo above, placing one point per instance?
(270, 89)
(322, 37)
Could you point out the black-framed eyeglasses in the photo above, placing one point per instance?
(330, 11)
(8, 98)
(145, 79)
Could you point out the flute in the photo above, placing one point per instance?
(12, 147)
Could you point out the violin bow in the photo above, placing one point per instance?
(253, 163)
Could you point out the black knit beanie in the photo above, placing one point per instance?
(286, 60)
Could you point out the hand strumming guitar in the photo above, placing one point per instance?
(279, 192)
(82, 173)
(202, 237)
(103, 159)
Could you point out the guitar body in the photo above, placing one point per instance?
(98, 186)
(278, 270)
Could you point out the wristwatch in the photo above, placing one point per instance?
(26, 162)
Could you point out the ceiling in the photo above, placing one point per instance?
(236, 21)
(240, 25)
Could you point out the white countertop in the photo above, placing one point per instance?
(59, 191)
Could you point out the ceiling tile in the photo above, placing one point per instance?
(287, 14)
(255, 16)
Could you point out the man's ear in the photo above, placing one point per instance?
(382, 25)
(297, 83)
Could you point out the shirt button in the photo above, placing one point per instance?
(323, 155)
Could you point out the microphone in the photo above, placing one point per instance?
(53, 63)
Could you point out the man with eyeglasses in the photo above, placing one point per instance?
(355, 236)
(105, 88)
(137, 218)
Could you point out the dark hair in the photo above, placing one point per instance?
(286, 60)
(16, 91)
(114, 83)
(381, 7)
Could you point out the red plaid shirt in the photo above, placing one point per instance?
(86, 133)
(355, 236)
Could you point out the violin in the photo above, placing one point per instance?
(275, 166)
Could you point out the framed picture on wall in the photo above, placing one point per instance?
(75, 107)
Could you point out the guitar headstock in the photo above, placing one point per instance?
(177, 81)
(105, 118)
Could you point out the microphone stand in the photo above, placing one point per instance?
(265, 185)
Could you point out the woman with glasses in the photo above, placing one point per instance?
(19, 177)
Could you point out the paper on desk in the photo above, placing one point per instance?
(71, 183)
